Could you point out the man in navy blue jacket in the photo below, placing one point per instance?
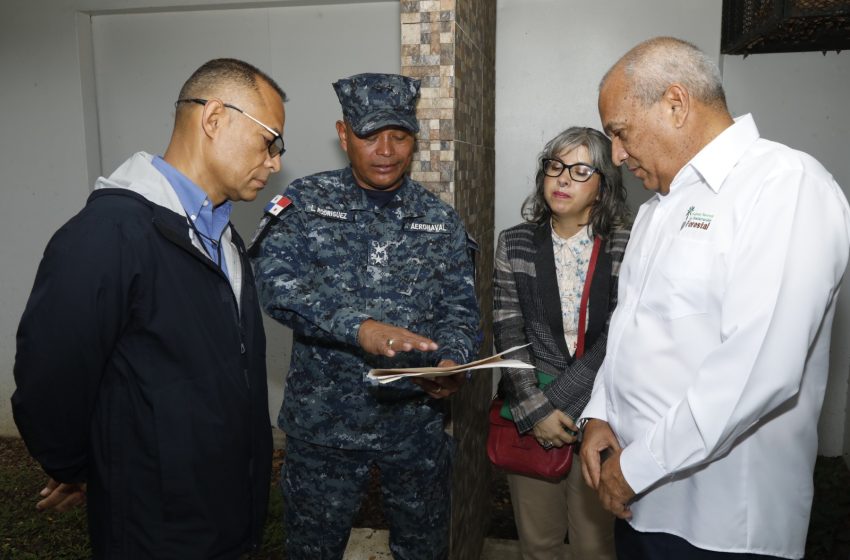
(140, 367)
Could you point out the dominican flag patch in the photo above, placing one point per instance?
(277, 204)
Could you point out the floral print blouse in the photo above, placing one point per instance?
(572, 257)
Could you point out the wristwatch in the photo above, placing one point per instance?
(582, 422)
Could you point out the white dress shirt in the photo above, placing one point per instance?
(718, 351)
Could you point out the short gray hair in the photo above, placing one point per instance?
(654, 64)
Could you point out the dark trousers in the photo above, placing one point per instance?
(635, 545)
(323, 488)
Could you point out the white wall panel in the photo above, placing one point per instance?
(800, 99)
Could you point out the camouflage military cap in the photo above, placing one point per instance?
(374, 101)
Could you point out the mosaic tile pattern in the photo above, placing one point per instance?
(450, 45)
(428, 53)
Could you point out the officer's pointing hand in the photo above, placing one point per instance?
(384, 339)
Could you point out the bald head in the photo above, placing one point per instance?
(651, 66)
(660, 104)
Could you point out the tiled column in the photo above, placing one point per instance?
(450, 45)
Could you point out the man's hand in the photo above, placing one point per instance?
(552, 430)
(61, 496)
(614, 492)
(384, 339)
(598, 439)
(441, 387)
(604, 474)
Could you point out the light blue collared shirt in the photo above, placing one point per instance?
(209, 220)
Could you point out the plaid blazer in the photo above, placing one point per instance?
(526, 308)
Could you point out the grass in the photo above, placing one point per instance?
(26, 534)
(31, 535)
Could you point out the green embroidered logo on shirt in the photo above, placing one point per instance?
(697, 220)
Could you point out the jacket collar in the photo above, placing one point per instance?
(547, 285)
(137, 176)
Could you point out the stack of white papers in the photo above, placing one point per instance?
(494, 361)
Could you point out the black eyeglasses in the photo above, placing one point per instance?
(275, 145)
(580, 172)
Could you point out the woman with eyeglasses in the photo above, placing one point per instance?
(574, 233)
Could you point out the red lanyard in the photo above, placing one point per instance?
(585, 295)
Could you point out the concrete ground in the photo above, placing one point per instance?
(371, 544)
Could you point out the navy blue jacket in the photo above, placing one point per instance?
(137, 374)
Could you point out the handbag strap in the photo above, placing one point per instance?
(585, 295)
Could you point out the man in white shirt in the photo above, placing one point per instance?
(701, 431)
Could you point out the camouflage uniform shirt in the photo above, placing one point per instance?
(329, 261)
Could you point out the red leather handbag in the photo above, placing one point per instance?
(521, 454)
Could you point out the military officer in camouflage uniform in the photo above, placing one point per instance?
(369, 270)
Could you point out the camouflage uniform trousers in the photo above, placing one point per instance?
(323, 488)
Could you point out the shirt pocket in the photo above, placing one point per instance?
(681, 285)
(419, 261)
(415, 283)
(410, 271)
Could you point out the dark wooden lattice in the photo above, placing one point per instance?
(767, 26)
